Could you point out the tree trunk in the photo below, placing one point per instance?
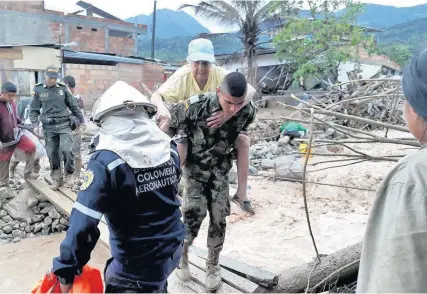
(295, 279)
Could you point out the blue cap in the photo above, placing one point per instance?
(201, 50)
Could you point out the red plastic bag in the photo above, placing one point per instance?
(90, 281)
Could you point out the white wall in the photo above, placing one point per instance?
(368, 71)
(37, 58)
(261, 60)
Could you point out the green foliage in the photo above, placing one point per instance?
(176, 49)
(400, 42)
(316, 44)
(247, 16)
(399, 53)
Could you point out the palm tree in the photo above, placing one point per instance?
(248, 16)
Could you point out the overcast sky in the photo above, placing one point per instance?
(128, 8)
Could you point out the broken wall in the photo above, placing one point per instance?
(32, 24)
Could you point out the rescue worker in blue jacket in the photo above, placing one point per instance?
(132, 179)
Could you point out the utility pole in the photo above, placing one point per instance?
(153, 37)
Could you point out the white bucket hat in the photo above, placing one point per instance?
(201, 50)
(118, 96)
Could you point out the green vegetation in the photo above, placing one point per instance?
(247, 16)
(325, 35)
(176, 49)
(401, 41)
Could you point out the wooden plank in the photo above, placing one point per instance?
(199, 276)
(65, 205)
(252, 273)
(230, 278)
(176, 286)
(192, 285)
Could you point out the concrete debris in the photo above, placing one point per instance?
(288, 167)
(53, 213)
(267, 164)
(17, 208)
(27, 216)
(6, 193)
(32, 201)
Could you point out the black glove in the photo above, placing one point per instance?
(74, 122)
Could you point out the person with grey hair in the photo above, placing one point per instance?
(201, 75)
(394, 253)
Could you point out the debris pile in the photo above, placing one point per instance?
(375, 100)
(264, 131)
(27, 214)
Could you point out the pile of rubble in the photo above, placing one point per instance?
(27, 214)
(370, 99)
(276, 156)
(264, 131)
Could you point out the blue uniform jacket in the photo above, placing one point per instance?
(141, 209)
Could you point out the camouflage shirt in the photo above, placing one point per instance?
(209, 149)
(55, 103)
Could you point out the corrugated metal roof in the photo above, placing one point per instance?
(108, 57)
(56, 46)
(101, 57)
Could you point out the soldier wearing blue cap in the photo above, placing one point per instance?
(56, 101)
(200, 76)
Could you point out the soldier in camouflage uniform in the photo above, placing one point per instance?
(56, 100)
(207, 165)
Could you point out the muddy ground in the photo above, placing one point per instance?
(276, 237)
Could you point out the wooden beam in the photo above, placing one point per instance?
(228, 277)
(176, 286)
(252, 273)
(199, 276)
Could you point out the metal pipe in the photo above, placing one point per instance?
(153, 37)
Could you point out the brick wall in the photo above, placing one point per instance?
(122, 46)
(26, 29)
(87, 38)
(93, 80)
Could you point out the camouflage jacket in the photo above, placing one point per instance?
(209, 149)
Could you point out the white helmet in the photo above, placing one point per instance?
(118, 96)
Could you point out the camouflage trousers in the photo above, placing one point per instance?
(77, 146)
(200, 198)
(60, 145)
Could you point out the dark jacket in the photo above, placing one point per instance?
(141, 208)
(57, 102)
(9, 121)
